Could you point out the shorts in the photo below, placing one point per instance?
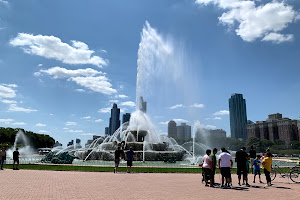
(129, 163)
(241, 171)
(117, 161)
(207, 173)
(256, 172)
(225, 171)
(16, 161)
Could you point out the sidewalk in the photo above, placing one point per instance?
(30, 184)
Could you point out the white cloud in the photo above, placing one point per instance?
(6, 121)
(99, 120)
(8, 101)
(53, 48)
(19, 123)
(40, 125)
(87, 134)
(164, 123)
(4, 2)
(222, 112)
(176, 106)
(195, 105)
(10, 85)
(207, 118)
(256, 21)
(128, 103)
(51, 114)
(71, 123)
(180, 120)
(87, 117)
(60, 72)
(43, 131)
(278, 38)
(76, 131)
(113, 101)
(210, 127)
(96, 84)
(104, 110)
(122, 96)
(80, 90)
(217, 118)
(6, 91)
(15, 108)
(40, 65)
(65, 128)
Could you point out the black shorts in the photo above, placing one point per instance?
(129, 163)
(117, 161)
(207, 173)
(240, 171)
(225, 171)
(16, 161)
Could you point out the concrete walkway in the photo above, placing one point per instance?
(30, 184)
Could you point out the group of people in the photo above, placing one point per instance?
(16, 161)
(243, 161)
(129, 156)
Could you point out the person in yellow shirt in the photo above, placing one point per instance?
(267, 164)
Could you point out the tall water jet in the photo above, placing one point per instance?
(23, 143)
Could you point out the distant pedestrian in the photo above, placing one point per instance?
(256, 164)
(16, 159)
(129, 157)
(207, 168)
(252, 153)
(267, 164)
(214, 164)
(241, 158)
(118, 157)
(3, 157)
(225, 166)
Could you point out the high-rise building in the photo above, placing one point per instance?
(126, 118)
(275, 128)
(184, 131)
(172, 129)
(238, 116)
(106, 133)
(143, 105)
(114, 121)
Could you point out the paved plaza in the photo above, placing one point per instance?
(31, 184)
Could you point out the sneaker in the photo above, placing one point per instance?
(14, 169)
(239, 184)
(253, 181)
(243, 184)
(267, 185)
(247, 185)
(17, 169)
(206, 185)
(261, 182)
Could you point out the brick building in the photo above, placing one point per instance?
(275, 128)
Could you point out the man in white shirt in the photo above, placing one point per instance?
(225, 165)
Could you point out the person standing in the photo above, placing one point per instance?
(267, 164)
(214, 164)
(129, 157)
(3, 156)
(241, 160)
(118, 157)
(16, 159)
(207, 166)
(256, 163)
(252, 153)
(225, 166)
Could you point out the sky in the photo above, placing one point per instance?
(64, 63)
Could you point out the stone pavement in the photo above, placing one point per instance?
(31, 184)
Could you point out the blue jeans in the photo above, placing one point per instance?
(2, 162)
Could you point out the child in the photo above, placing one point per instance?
(256, 164)
(267, 164)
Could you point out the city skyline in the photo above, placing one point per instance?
(61, 75)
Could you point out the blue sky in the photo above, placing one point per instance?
(63, 63)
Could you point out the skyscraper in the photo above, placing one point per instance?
(106, 131)
(143, 105)
(172, 130)
(184, 131)
(114, 121)
(238, 116)
(126, 118)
